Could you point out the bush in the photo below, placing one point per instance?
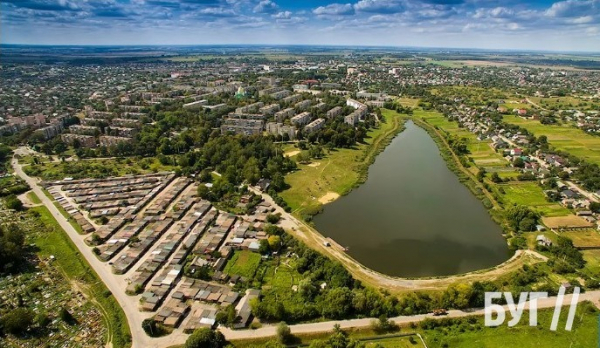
(205, 338)
(17, 321)
(284, 333)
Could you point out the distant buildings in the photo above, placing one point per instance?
(242, 126)
(334, 112)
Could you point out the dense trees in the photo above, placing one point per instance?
(205, 338)
(12, 239)
(17, 321)
(521, 218)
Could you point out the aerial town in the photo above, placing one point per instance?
(189, 197)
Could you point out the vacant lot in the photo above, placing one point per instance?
(563, 137)
(243, 263)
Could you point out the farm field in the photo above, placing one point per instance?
(565, 138)
(529, 193)
(584, 238)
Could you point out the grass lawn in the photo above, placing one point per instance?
(563, 137)
(397, 342)
(529, 193)
(95, 168)
(243, 263)
(76, 269)
(34, 198)
(339, 171)
(583, 335)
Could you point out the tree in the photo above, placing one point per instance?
(595, 207)
(12, 239)
(274, 242)
(518, 162)
(496, 178)
(273, 218)
(205, 338)
(12, 202)
(284, 333)
(227, 316)
(17, 321)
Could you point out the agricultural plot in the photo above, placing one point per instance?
(589, 238)
(243, 263)
(563, 137)
(531, 194)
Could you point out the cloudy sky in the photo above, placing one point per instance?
(571, 25)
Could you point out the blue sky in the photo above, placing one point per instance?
(571, 25)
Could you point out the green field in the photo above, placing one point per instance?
(339, 171)
(563, 137)
(583, 335)
(58, 244)
(529, 193)
(243, 263)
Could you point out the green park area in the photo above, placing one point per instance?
(95, 168)
(340, 170)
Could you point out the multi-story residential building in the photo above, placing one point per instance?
(292, 99)
(314, 125)
(84, 140)
(281, 129)
(242, 126)
(252, 108)
(334, 112)
(320, 106)
(84, 130)
(283, 114)
(355, 103)
(301, 119)
(303, 105)
(107, 140)
(269, 109)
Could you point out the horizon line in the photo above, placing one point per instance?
(305, 45)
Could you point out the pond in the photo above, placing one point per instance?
(413, 217)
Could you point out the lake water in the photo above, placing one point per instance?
(412, 217)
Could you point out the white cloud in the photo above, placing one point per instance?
(334, 10)
(266, 6)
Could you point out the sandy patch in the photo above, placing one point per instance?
(329, 197)
(291, 153)
(314, 164)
